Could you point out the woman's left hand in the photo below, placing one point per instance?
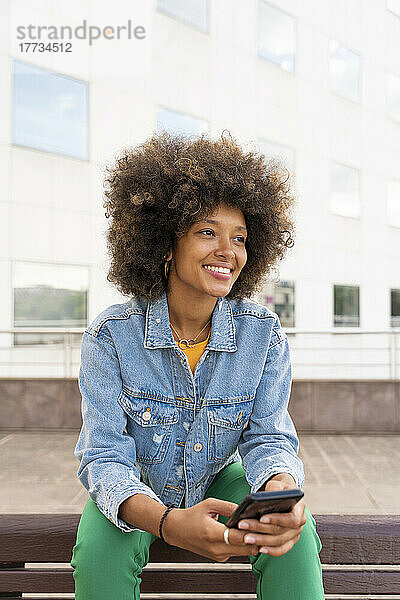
(283, 530)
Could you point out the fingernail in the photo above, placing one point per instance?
(264, 519)
(243, 525)
(249, 539)
(264, 550)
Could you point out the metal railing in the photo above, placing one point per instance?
(391, 347)
(40, 354)
(374, 353)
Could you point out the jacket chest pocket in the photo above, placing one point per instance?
(225, 425)
(150, 423)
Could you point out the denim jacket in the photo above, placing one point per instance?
(152, 427)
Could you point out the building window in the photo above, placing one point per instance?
(395, 308)
(276, 36)
(48, 295)
(344, 71)
(393, 96)
(393, 202)
(394, 6)
(345, 191)
(50, 111)
(279, 297)
(283, 153)
(177, 122)
(191, 12)
(346, 305)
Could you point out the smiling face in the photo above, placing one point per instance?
(209, 257)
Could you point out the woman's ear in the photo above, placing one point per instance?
(169, 256)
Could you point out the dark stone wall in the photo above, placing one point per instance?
(40, 403)
(346, 406)
(315, 406)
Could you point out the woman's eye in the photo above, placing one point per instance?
(207, 231)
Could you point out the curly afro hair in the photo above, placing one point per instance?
(158, 189)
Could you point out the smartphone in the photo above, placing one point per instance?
(253, 506)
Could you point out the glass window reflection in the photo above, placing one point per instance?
(344, 71)
(276, 36)
(346, 306)
(395, 308)
(177, 122)
(345, 191)
(50, 111)
(48, 295)
(192, 12)
(279, 297)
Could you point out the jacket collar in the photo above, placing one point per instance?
(158, 332)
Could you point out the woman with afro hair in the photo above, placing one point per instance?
(185, 387)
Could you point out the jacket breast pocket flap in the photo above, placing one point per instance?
(225, 425)
(230, 416)
(149, 411)
(150, 423)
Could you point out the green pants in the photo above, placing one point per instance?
(108, 562)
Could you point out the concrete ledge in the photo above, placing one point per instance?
(343, 406)
(33, 403)
(319, 406)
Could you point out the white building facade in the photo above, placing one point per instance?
(316, 83)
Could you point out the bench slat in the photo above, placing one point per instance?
(61, 581)
(176, 581)
(196, 596)
(58, 581)
(361, 582)
(346, 539)
(359, 539)
(37, 537)
(189, 596)
(244, 582)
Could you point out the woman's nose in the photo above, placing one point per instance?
(225, 252)
(225, 248)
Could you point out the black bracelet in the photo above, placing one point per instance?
(170, 507)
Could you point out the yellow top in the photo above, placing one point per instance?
(194, 353)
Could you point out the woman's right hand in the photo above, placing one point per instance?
(198, 530)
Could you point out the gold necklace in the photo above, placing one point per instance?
(190, 342)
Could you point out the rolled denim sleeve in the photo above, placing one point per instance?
(106, 452)
(269, 444)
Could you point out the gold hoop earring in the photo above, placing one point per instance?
(167, 269)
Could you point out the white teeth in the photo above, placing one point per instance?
(218, 269)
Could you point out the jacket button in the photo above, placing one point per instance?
(197, 447)
(146, 415)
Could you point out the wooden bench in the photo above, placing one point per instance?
(360, 556)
